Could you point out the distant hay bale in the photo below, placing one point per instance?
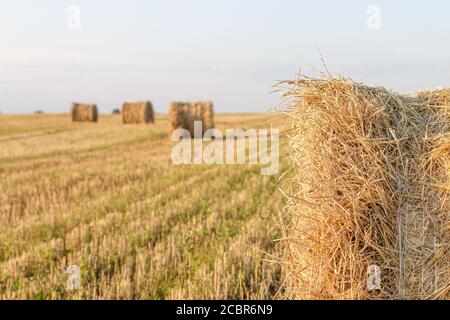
(180, 117)
(183, 116)
(137, 112)
(84, 112)
(370, 187)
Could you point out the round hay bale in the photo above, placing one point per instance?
(137, 112)
(183, 116)
(84, 112)
(368, 191)
(180, 117)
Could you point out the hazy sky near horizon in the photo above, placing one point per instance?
(228, 51)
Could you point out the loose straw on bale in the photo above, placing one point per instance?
(183, 115)
(84, 112)
(137, 112)
(370, 186)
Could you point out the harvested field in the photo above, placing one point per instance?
(107, 198)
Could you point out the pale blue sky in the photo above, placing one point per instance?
(228, 51)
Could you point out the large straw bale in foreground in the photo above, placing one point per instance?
(183, 115)
(137, 112)
(84, 112)
(370, 186)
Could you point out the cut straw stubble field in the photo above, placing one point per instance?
(106, 198)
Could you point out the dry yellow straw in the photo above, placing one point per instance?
(369, 188)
